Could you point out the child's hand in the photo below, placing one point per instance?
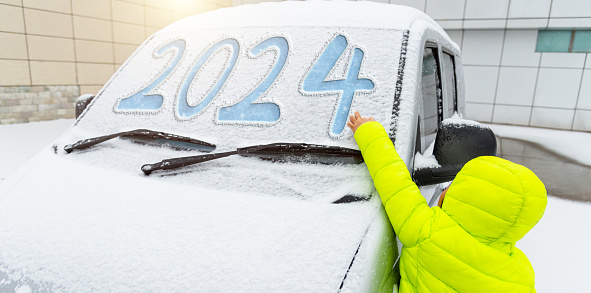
(357, 120)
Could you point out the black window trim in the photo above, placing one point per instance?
(453, 61)
(436, 46)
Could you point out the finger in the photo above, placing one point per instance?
(351, 125)
(357, 115)
(352, 118)
(371, 119)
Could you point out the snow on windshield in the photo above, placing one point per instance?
(253, 86)
(246, 88)
(306, 180)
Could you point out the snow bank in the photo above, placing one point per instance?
(558, 246)
(572, 144)
(20, 142)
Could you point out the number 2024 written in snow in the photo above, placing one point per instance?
(246, 110)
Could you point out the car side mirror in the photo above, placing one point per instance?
(82, 102)
(456, 143)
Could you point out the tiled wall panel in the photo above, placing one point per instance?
(481, 83)
(558, 88)
(584, 102)
(563, 60)
(46, 23)
(517, 115)
(448, 9)
(15, 72)
(582, 120)
(157, 17)
(128, 33)
(519, 49)
(128, 12)
(63, 6)
(11, 2)
(93, 51)
(486, 9)
(552, 118)
(94, 74)
(11, 19)
(529, 8)
(516, 86)
(13, 46)
(571, 8)
(93, 29)
(53, 73)
(480, 112)
(95, 8)
(51, 48)
(482, 47)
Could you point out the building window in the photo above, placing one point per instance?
(564, 41)
(582, 41)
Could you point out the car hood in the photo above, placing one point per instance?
(67, 226)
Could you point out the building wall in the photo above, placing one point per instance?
(507, 81)
(52, 51)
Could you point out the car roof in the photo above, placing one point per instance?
(304, 13)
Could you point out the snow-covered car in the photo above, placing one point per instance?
(216, 159)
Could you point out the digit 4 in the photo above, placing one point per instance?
(315, 81)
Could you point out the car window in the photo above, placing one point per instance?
(449, 84)
(297, 86)
(431, 96)
(247, 90)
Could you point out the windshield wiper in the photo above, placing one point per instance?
(148, 136)
(275, 151)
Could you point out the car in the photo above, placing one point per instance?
(216, 159)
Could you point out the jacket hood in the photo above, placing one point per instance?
(496, 201)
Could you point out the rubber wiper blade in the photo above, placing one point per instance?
(175, 140)
(334, 154)
(275, 151)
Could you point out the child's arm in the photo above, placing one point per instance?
(407, 209)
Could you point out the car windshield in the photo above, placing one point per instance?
(295, 86)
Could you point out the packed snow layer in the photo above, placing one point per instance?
(456, 120)
(83, 229)
(557, 246)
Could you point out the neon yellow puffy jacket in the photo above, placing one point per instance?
(469, 244)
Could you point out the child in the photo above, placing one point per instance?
(467, 243)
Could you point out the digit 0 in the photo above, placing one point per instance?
(249, 111)
(184, 110)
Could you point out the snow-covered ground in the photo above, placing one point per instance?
(19, 142)
(558, 246)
